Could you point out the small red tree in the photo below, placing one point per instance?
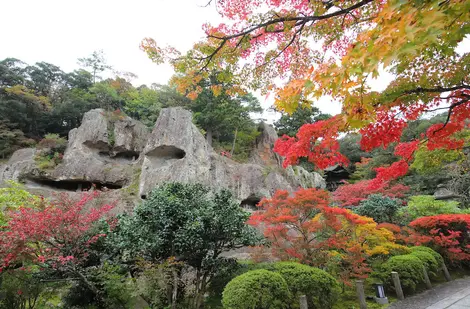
(57, 236)
(303, 227)
(449, 234)
(353, 194)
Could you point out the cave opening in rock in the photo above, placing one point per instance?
(125, 155)
(71, 185)
(250, 203)
(167, 152)
(143, 196)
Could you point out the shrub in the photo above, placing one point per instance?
(447, 233)
(435, 254)
(428, 260)
(257, 289)
(378, 207)
(321, 288)
(408, 267)
(50, 151)
(426, 205)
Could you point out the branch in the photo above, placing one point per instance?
(300, 22)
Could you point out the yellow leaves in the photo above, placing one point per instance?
(216, 90)
(29, 95)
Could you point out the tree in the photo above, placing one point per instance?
(290, 124)
(448, 234)
(427, 205)
(96, 62)
(304, 228)
(14, 196)
(354, 39)
(353, 194)
(380, 208)
(221, 114)
(59, 236)
(189, 224)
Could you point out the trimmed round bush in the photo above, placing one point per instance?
(409, 267)
(257, 289)
(435, 254)
(429, 261)
(320, 287)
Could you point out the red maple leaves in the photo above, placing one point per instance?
(317, 141)
(57, 234)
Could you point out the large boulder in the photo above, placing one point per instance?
(177, 151)
(116, 154)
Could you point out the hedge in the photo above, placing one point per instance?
(257, 289)
(321, 288)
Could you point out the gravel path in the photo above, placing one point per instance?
(450, 295)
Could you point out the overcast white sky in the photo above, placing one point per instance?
(59, 32)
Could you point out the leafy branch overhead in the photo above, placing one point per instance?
(303, 50)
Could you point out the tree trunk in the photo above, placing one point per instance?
(234, 141)
(209, 137)
(174, 296)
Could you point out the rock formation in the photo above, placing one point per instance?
(118, 155)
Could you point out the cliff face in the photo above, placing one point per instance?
(119, 156)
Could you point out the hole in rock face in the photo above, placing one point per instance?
(143, 196)
(167, 152)
(70, 185)
(124, 156)
(250, 203)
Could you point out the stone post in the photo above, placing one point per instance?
(303, 302)
(360, 294)
(446, 271)
(426, 278)
(396, 282)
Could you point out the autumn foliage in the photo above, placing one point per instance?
(353, 194)
(256, 48)
(303, 227)
(447, 233)
(56, 235)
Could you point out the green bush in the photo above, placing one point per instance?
(378, 207)
(436, 255)
(426, 205)
(409, 267)
(428, 260)
(257, 289)
(322, 289)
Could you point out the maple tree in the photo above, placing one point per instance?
(353, 194)
(448, 233)
(301, 50)
(58, 236)
(303, 227)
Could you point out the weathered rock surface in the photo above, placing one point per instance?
(177, 151)
(119, 155)
(442, 193)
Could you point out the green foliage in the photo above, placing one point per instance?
(380, 208)
(435, 254)
(290, 124)
(14, 196)
(188, 221)
(409, 267)
(349, 146)
(428, 162)
(50, 151)
(258, 289)
(321, 288)
(22, 289)
(426, 205)
(428, 260)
